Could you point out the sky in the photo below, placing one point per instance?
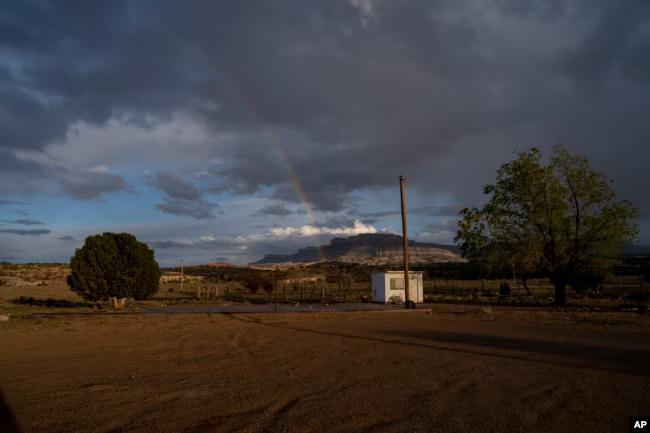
(226, 130)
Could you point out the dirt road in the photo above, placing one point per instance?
(325, 372)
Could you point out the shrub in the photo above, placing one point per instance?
(255, 281)
(268, 287)
(114, 265)
(49, 302)
(646, 273)
(252, 282)
(586, 282)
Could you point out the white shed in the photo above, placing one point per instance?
(385, 285)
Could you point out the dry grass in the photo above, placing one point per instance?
(38, 281)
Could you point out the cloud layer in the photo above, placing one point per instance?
(316, 105)
(181, 196)
(26, 232)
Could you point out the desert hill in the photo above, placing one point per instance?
(369, 249)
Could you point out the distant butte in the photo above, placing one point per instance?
(369, 249)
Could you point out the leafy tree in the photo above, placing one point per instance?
(560, 218)
(114, 265)
(254, 281)
(268, 287)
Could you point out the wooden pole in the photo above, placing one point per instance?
(405, 243)
(182, 276)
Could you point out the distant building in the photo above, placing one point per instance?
(389, 286)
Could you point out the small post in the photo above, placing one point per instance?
(181, 275)
(405, 243)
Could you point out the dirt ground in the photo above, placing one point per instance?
(507, 371)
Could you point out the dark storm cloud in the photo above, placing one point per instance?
(421, 210)
(11, 202)
(336, 221)
(273, 210)
(25, 120)
(442, 230)
(182, 207)
(214, 245)
(86, 185)
(347, 98)
(29, 232)
(181, 196)
(174, 186)
(618, 43)
(25, 175)
(446, 224)
(23, 221)
(171, 244)
(18, 176)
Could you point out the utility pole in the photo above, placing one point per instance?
(181, 275)
(405, 243)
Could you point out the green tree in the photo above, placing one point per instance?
(252, 281)
(255, 280)
(114, 265)
(560, 218)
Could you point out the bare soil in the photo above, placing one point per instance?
(505, 371)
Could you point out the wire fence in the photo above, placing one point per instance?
(286, 293)
(611, 287)
(435, 290)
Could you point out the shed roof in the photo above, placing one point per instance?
(399, 272)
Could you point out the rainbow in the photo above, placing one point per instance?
(281, 155)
